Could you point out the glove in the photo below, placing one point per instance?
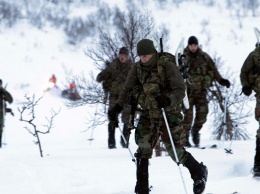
(163, 101)
(113, 114)
(2, 92)
(224, 82)
(247, 90)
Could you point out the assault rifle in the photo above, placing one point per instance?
(133, 102)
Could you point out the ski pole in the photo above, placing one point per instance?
(174, 149)
(225, 117)
(92, 128)
(133, 159)
(91, 135)
(229, 150)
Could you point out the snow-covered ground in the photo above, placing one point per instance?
(74, 165)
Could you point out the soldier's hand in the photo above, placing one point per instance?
(247, 90)
(113, 114)
(163, 101)
(224, 82)
(2, 91)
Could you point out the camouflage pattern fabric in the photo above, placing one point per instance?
(202, 72)
(250, 76)
(148, 132)
(147, 81)
(7, 97)
(199, 100)
(113, 78)
(153, 83)
(250, 71)
(257, 114)
(125, 114)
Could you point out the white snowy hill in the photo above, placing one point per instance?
(74, 165)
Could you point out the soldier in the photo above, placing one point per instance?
(202, 72)
(250, 80)
(4, 96)
(113, 79)
(157, 83)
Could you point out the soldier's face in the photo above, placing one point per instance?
(122, 58)
(145, 58)
(193, 48)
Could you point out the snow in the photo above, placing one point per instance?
(74, 165)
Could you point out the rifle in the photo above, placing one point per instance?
(133, 102)
(161, 45)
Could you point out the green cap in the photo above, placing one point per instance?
(145, 47)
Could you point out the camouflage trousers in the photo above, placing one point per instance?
(200, 102)
(149, 130)
(1, 122)
(257, 114)
(125, 114)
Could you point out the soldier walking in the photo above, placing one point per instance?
(5, 96)
(113, 79)
(250, 80)
(202, 71)
(157, 83)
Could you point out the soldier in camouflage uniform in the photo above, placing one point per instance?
(157, 83)
(113, 78)
(202, 71)
(4, 96)
(250, 80)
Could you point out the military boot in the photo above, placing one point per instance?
(256, 169)
(195, 137)
(199, 174)
(111, 136)
(126, 134)
(142, 183)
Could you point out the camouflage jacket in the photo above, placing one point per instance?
(250, 71)
(6, 96)
(202, 70)
(156, 77)
(114, 76)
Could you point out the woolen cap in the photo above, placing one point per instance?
(124, 51)
(145, 47)
(193, 40)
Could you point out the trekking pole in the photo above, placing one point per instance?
(229, 150)
(92, 128)
(133, 159)
(174, 149)
(225, 117)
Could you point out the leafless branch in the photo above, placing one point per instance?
(29, 107)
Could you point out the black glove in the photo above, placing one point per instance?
(2, 91)
(247, 90)
(163, 101)
(113, 114)
(224, 82)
